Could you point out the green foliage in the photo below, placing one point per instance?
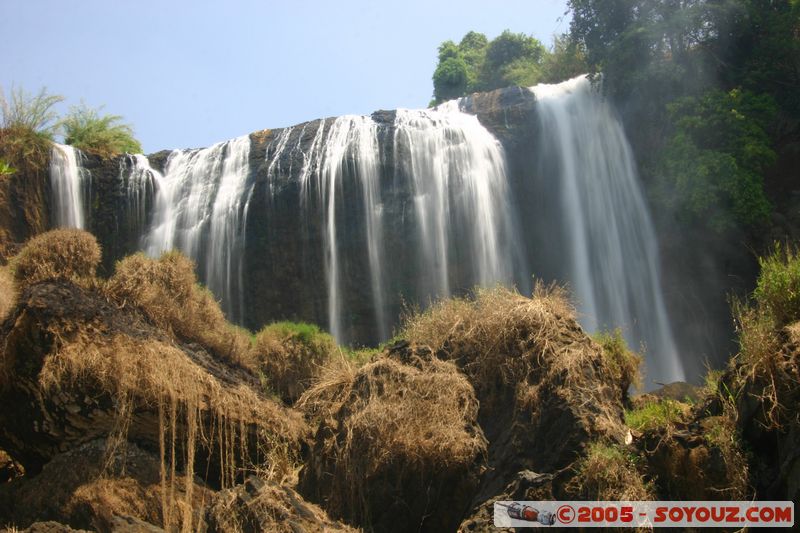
(655, 414)
(33, 112)
(477, 64)
(777, 292)
(6, 169)
(450, 78)
(302, 331)
(27, 126)
(623, 363)
(85, 129)
(565, 60)
(715, 160)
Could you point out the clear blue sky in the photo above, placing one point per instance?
(191, 73)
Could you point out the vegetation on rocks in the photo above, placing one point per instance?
(86, 129)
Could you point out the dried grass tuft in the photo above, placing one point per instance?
(8, 292)
(166, 290)
(609, 472)
(291, 355)
(61, 254)
(392, 429)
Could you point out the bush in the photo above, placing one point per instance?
(777, 292)
(609, 473)
(22, 110)
(624, 363)
(62, 254)
(27, 125)
(86, 130)
(291, 355)
(167, 292)
(655, 414)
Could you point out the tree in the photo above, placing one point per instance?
(85, 129)
(715, 161)
(477, 64)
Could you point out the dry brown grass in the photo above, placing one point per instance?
(290, 356)
(150, 374)
(166, 290)
(491, 335)
(8, 292)
(532, 346)
(62, 254)
(259, 506)
(390, 427)
(609, 472)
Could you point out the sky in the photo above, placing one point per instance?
(191, 73)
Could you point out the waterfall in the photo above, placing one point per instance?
(350, 148)
(342, 220)
(201, 209)
(461, 199)
(68, 181)
(613, 253)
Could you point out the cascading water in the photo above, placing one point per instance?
(461, 199)
(200, 209)
(613, 248)
(350, 148)
(68, 181)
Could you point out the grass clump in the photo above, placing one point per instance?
(609, 472)
(492, 335)
(623, 363)
(656, 414)
(167, 292)
(8, 292)
(27, 125)
(777, 292)
(86, 129)
(290, 355)
(61, 254)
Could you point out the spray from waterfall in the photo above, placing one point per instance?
(613, 266)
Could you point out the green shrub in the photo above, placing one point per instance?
(623, 362)
(609, 472)
(27, 125)
(655, 414)
(777, 291)
(85, 129)
(22, 110)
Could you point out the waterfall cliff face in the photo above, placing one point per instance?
(344, 221)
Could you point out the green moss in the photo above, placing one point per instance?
(301, 331)
(623, 362)
(655, 414)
